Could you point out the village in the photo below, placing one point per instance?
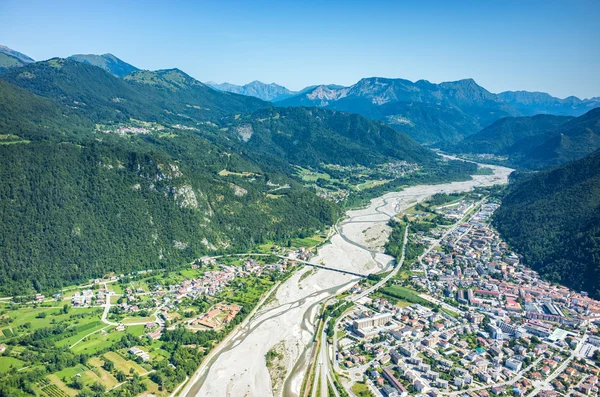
(211, 296)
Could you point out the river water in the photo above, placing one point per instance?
(239, 368)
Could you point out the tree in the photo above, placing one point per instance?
(108, 365)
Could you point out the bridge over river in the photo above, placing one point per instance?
(333, 269)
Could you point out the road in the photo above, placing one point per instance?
(545, 384)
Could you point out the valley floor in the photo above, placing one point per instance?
(239, 367)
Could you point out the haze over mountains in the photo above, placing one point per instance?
(433, 114)
(267, 92)
(430, 113)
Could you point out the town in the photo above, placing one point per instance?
(464, 318)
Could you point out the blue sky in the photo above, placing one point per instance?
(551, 46)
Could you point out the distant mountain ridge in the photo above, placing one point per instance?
(428, 112)
(531, 103)
(10, 58)
(108, 62)
(267, 92)
(164, 95)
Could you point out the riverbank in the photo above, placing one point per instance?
(239, 369)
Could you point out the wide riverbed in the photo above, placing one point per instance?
(239, 369)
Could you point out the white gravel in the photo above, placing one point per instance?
(240, 370)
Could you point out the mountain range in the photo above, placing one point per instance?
(106, 174)
(267, 92)
(531, 103)
(432, 114)
(109, 168)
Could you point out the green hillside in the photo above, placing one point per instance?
(313, 136)
(511, 135)
(108, 62)
(102, 174)
(78, 203)
(162, 96)
(537, 142)
(553, 219)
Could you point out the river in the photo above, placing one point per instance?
(238, 367)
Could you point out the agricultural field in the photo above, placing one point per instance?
(107, 379)
(124, 365)
(308, 242)
(8, 363)
(404, 294)
(65, 351)
(27, 319)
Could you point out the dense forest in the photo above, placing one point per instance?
(102, 174)
(553, 219)
(163, 96)
(313, 136)
(535, 143)
(511, 135)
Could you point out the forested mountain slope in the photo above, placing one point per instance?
(312, 136)
(166, 95)
(102, 174)
(537, 142)
(78, 203)
(553, 219)
(511, 135)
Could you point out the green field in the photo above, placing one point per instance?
(404, 294)
(82, 331)
(190, 273)
(7, 363)
(57, 383)
(29, 315)
(361, 389)
(124, 365)
(308, 242)
(310, 176)
(371, 184)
